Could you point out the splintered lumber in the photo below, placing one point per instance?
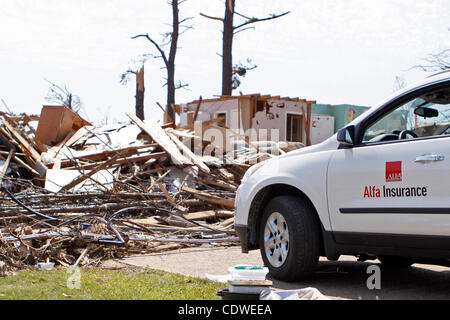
(171, 199)
(227, 175)
(197, 109)
(104, 207)
(228, 203)
(161, 138)
(201, 215)
(6, 165)
(192, 156)
(125, 160)
(217, 184)
(78, 135)
(105, 154)
(85, 176)
(26, 147)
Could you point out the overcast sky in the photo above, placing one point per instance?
(331, 51)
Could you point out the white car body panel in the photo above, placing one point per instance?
(303, 169)
(354, 172)
(335, 181)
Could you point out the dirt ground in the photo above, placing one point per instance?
(344, 279)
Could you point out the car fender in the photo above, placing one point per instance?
(305, 172)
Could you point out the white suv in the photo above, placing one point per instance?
(378, 189)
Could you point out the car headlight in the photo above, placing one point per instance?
(252, 170)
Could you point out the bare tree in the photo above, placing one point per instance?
(229, 31)
(61, 95)
(436, 62)
(169, 60)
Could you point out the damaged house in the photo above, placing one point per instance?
(262, 117)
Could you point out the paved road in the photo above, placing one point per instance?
(344, 279)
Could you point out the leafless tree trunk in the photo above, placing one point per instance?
(169, 61)
(140, 89)
(227, 49)
(140, 93)
(229, 31)
(170, 114)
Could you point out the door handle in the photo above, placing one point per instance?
(430, 157)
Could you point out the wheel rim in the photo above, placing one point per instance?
(276, 239)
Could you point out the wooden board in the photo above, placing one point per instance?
(6, 165)
(201, 215)
(26, 147)
(161, 138)
(228, 203)
(125, 160)
(227, 175)
(192, 156)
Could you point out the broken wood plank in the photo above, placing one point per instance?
(225, 214)
(6, 165)
(192, 156)
(201, 215)
(103, 155)
(26, 146)
(120, 161)
(76, 136)
(21, 163)
(197, 109)
(217, 184)
(227, 175)
(228, 203)
(170, 198)
(160, 137)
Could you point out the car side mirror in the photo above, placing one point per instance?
(426, 112)
(347, 135)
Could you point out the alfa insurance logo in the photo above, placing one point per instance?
(393, 171)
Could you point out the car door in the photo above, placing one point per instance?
(398, 190)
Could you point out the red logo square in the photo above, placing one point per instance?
(393, 171)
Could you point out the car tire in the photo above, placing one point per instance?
(396, 262)
(295, 256)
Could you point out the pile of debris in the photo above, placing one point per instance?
(73, 193)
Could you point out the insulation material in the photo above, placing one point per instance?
(56, 179)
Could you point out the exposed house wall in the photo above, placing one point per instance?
(339, 112)
(219, 106)
(275, 117)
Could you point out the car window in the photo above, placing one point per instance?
(424, 116)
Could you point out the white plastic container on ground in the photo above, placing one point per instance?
(45, 265)
(248, 273)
